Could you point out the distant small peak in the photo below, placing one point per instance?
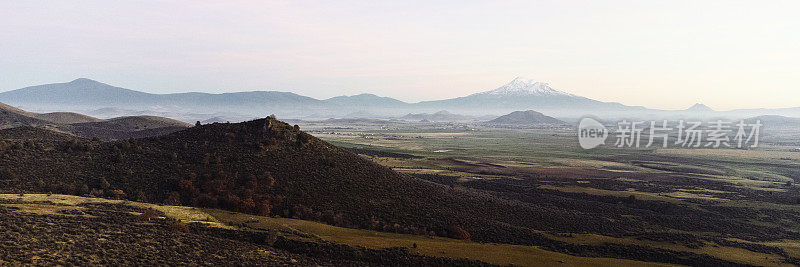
(83, 80)
(365, 95)
(699, 107)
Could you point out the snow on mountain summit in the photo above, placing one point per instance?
(520, 86)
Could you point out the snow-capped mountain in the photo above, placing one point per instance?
(522, 94)
(520, 86)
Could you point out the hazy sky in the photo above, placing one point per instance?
(659, 54)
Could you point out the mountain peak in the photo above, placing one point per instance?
(699, 108)
(364, 99)
(521, 86)
(366, 95)
(83, 80)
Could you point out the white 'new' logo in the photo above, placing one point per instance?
(591, 133)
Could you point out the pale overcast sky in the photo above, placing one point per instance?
(659, 54)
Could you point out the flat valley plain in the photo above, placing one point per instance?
(739, 206)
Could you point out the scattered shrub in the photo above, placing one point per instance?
(457, 232)
(247, 205)
(270, 238)
(303, 138)
(186, 187)
(141, 196)
(174, 199)
(231, 202)
(207, 200)
(269, 180)
(6, 174)
(178, 227)
(332, 218)
(117, 194)
(104, 183)
(263, 208)
(302, 212)
(82, 190)
(148, 214)
(96, 192)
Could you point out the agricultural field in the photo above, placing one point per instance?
(741, 206)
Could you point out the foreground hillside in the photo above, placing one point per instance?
(91, 231)
(269, 240)
(263, 166)
(267, 167)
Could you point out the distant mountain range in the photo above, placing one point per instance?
(84, 95)
(95, 98)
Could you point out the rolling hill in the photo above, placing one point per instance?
(65, 117)
(13, 117)
(8, 108)
(133, 123)
(90, 127)
(127, 127)
(528, 117)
